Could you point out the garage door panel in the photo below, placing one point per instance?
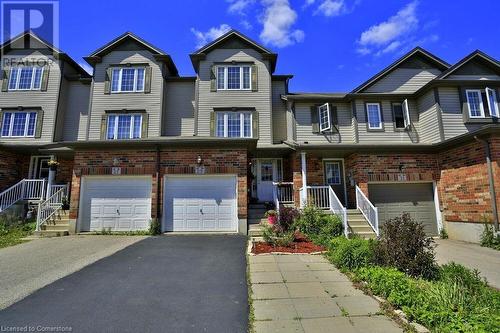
(200, 204)
(118, 203)
(392, 200)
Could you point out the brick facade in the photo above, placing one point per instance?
(169, 161)
(13, 168)
(464, 184)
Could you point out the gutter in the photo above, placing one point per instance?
(491, 181)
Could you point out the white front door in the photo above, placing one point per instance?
(200, 203)
(267, 173)
(119, 203)
(39, 168)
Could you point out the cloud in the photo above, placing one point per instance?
(246, 24)
(239, 6)
(395, 35)
(278, 20)
(203, 38)
(331, 8)
(89, 69)
(308, 3)
(404, 21)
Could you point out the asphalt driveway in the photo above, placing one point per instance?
(159, 284)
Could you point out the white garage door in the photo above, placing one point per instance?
(200, 203)
(118, 203)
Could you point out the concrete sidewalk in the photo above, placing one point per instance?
(485, 260)
(305, 293)
(30, 266)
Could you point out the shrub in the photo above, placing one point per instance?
(318, 226)
(443, 234)
(287, 217)
(489, 239)
(404, 245)
(276, 236)
(154, 227)
(330, 227)
(350, 254)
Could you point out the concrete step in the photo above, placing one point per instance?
(55, 227)
(64, 221)
(46, 233)
(356, 219)
(254, 230)
(353, 212)
(366, 235)
(361, 228)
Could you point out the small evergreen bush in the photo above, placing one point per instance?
(350, 254)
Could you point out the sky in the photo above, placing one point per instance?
(328, 45)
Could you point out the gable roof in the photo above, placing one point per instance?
(477, 54)
(30, 35)
(233, 34)
(417, 51)
(160, 55)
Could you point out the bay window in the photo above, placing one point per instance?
(25, 78)
(234, 77)
(19, 124)
(234, 124)
(127, 79)
(124, 126)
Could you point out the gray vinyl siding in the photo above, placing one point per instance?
(178, 118)
(429, 123)
(151, 102)
(46, 100)
(260, 100)
(290, 123)
(304, 125)
(389, 134)
(76, 111)
(279, 112)
(403, 80)
(453, 121)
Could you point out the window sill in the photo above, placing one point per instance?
(486, 120)
(126, 92)
(375, 130)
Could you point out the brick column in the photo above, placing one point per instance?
(297, 177)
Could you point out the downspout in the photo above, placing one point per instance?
(491, 181)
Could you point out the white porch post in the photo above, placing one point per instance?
(50, 181)
(304, 177)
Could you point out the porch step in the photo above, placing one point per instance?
(254, 230)
(48, 233)
(366, 235)
(256, 213)
(56, 227)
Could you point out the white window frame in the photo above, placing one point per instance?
(120, 91)
(322, 126)
(226, 77)
(132, 121)
(326, 174)
(18, 78)
(379, 116)
(406, 113)
(226, 127)
(26, 124)
(481, 106)
(494, 109)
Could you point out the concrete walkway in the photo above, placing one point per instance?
(305, 293)
(30, 266)
(485, 260)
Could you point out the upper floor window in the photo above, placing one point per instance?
(401, 113)
(124, 126)
(234, 77)
(25, 78)
(234, 124)
(19, 124)
(127, 79)
(374, 116)
(493, 106)
(475, 102)
(325, 121)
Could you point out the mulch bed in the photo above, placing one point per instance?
(300, 245)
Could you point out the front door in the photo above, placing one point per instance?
(267, 173)
(334, 176)
(39, 167)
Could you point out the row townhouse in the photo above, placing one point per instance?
(136, 141)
